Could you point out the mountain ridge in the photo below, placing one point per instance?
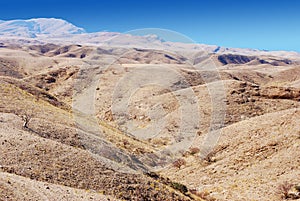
(60, 31)
(31, 28)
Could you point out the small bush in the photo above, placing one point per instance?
(194, 150)
(210, 157)
(179, 163)
(283, 189)
(125, 142)
(297, 187)
(180, 187)
(204, 195)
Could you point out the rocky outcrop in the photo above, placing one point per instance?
(280, 93)
(234, 59)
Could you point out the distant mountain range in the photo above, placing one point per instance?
(52, 30)
(34, 27)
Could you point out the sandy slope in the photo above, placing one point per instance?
(15, 187)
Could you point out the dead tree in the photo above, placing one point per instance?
(26, 118)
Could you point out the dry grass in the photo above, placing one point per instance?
(283, 189)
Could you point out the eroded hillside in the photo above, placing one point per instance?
(81, 122)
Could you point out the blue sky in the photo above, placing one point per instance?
(264, 24)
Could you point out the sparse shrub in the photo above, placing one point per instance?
(125, 142)
(194, 150)
(193, 191)
(179, 163)
(210, 157)
(180, 187)
(283, 189)
(160, 141)
(205, 195)
(153, 175)
(185, 154)
(297, 187)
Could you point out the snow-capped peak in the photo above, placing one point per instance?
(39, 26)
